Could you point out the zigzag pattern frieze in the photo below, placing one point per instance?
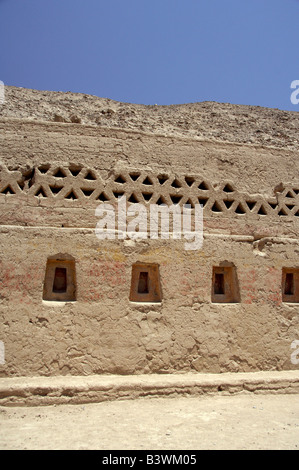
(77, 183)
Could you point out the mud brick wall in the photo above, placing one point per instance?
(71, 303)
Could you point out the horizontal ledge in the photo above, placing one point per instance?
(57, 303)
(98, 129)
(245, 238)
(154, 304)
(34, 391)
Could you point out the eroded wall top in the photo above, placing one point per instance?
(206, 120)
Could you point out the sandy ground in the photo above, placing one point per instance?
(211, 422)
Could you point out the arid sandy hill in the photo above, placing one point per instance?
(206, 120)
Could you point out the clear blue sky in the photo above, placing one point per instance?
(154, 51)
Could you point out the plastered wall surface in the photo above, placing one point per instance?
(56, 170)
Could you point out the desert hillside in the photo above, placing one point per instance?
(206, 120)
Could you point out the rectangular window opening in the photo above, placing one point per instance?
(60, 280)
(225, 287)
(219, 284)
(143, 283)
(60, 283)
(289, 284)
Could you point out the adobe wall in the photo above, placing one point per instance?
(55, 174)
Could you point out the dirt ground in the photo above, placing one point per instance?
(244, 421)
